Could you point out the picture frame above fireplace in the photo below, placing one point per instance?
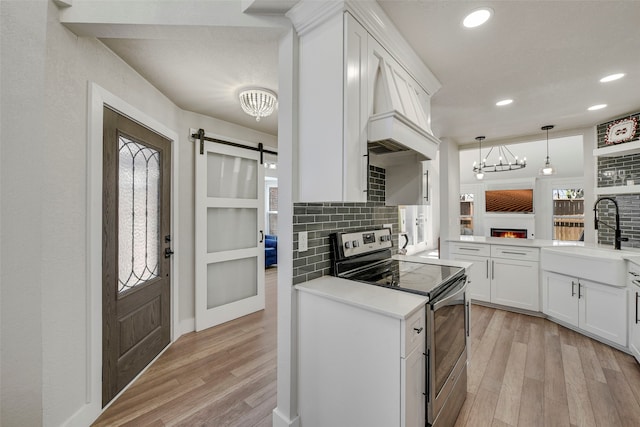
(509, 201)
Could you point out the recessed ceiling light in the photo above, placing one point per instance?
(612, 77)
(597, 107)
(504, 102)
(477, 17)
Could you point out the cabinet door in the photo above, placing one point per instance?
(634, 322)
(356, 112)
(515, 283)
(603, 311)
(560, 297)
(478, 274)
(413, 401)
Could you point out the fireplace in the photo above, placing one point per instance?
(512, 233)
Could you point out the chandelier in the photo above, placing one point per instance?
(507, 161)
(258, 102)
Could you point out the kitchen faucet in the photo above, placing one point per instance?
(618, 232)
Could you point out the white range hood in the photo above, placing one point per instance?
(400, 120)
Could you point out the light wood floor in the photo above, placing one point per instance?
(223, 376)
(524, 371)
(527, 371)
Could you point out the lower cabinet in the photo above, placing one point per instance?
(634, 322)
(595, 308)
(359, 367)
(501, 274)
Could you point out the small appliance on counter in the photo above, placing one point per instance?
(366, 256)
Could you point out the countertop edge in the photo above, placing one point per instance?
(373, 298)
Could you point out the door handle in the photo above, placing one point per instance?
(637, 321)
(261, 236)
(579, 290)
(168, 252)
(573, 288)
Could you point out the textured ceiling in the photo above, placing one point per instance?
(546, 55)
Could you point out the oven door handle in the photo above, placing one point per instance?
(459, 288)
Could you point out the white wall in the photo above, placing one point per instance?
(45, 75)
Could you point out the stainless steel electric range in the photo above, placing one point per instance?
(366, 256)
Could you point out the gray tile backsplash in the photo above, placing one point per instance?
(615, 171)
(322, 219)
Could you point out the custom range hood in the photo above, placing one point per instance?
(400, 119)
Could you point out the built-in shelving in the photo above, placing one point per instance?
(623, 149)
(621, 189)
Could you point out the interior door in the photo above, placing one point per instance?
(229, 233)
(136, 254)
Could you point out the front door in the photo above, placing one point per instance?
(135, 250)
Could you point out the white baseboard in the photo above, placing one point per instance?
(187, 325)
(279, 420)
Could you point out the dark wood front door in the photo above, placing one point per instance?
(135, 250)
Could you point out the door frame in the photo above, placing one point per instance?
(98, 97)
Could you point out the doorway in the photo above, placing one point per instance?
(136, 251)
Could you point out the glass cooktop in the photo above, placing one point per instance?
(424, 279)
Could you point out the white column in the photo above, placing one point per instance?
(286, 412)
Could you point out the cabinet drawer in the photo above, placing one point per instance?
(470, 249)
(414, 333)
(515, 252)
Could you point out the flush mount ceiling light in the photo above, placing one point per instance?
(547, 169)
(258, 102)
(611, 77)
(597, 107)
(507, 161)
(477, 17)
(504, 102)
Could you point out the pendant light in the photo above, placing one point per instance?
(477, 167)
(547, 169)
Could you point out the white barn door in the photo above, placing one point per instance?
(229, 234)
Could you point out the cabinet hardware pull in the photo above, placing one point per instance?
(637, 321)
(579, 289)
(487, 269)
(573, 288)
(469, 249)
(418, 330)
(514, 253)
(493, 269)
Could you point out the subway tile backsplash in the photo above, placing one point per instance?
(614, 172)
(322, 219)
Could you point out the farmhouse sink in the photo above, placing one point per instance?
(598, 264)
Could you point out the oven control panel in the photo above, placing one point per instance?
(361, 242)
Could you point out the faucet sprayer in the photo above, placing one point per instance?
(618, 232)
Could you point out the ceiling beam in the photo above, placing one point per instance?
(160, 19)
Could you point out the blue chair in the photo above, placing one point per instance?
(270, 250)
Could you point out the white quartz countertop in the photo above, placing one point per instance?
(370, 297)
(534, 243)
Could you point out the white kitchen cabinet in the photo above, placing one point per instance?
(593, 307)
(500, 274)
(634, 321)
(559, 293)
(333, 163)
(357, 364)
(514, 283)
(413, 403)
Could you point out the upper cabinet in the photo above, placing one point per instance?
(333, 112)
(355, 98)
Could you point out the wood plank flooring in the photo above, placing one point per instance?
(524, 371)
(528, 371)
(223, 376)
